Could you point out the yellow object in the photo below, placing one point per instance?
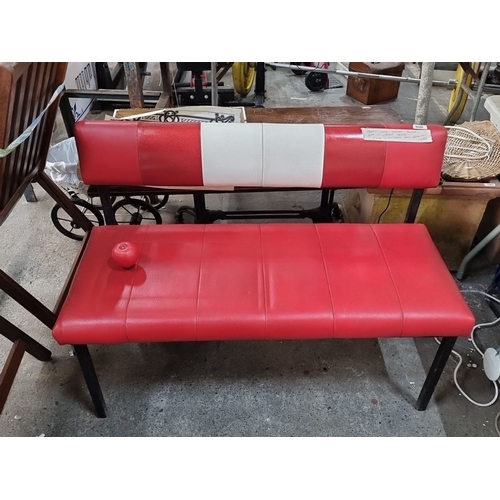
(459, 74)
(243, 77)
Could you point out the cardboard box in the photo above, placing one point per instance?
(491, 220)
(80, 76)
(492, 105)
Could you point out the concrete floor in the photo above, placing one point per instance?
(310, 388)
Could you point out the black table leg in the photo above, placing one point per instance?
(83, 355)
(435, 372)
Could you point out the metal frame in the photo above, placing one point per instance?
(105, 80)
(323, 213)
(225, 97)
(132, 74)
(479, 88)
(202, 93)
(435, 372)
(373, 76)
(260, 85)
(432, 377)
(475, 250)
(87, 366)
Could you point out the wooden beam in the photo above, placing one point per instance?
(13, 333)
(10, 369)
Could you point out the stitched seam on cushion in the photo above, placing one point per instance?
(328, 281)
(385, 163)
(324, 151)
(262, 157)
(200, 132)
(199, 284)
(138, 157)
(324, 156)
(263, 281)
(392, 279)
(132, 289)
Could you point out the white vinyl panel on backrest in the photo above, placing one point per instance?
(231, 154)
(293, 155)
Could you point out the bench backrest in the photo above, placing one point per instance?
(260, 155)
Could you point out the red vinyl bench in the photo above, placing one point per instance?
(260, 281)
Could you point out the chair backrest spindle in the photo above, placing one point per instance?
(25, 90)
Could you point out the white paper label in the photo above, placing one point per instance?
(419, 127)
(490, 184)
(396, 135)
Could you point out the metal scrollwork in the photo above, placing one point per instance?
(170, 116)
(223, 118)
(174, 116)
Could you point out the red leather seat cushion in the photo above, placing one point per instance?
(269, 281)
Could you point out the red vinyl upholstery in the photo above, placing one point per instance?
(269, 281)
(172, 154)
(162, 283)
(251, 281)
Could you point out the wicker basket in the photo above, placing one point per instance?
(472, 152)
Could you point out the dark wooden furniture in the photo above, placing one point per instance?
(325, 114)
(371, 90)
(25, 90)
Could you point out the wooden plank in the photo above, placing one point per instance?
(13, 333)
(324, 114)
(6, 85)
(165, 100)
(71, 275)
(18, 120)
(9, 370)
(25, 299)
(467, 190)
(38, 106)
(5, 211)
(57, 75)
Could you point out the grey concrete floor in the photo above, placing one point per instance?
(309, 388)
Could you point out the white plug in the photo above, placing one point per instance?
(491, 363)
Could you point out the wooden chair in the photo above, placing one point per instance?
(25, 90)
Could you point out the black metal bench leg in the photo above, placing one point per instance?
(83, 355)
(435, 372)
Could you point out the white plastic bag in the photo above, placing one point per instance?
(62, 164)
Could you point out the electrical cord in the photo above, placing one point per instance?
(471, 339)
(460, 359)
(491, 297)
(386, 208)
(491, 323)
(459, 364)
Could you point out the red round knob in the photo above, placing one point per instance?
(125, 254)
